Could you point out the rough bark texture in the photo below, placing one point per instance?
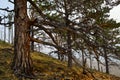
(22, 63)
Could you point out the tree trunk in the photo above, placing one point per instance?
(12, 41)
(69, 51)
(98, 64)
(32, 42)
(83, 62)
(106, 61)
(0, 35)
(90, 61)
(4, 33)
(69, 41)
(22, 63)
(9, 34)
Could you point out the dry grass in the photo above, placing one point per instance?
(46, 68)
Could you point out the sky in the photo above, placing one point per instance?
(114, 13)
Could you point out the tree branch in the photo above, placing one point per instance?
(9, 23)
(36, 7)
(48, 32)
(6, 9)
(47, 43)
(11, 1)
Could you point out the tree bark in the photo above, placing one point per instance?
(69, 41)
(98, 64)
(106, 61)
(12, 39)
(90, 61)
(32, 42)
(83, 62)
(4, 33)
(9, 34)
(22, 62)
(69, 51)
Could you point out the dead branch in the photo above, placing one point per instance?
(6, 9)
(11, 1)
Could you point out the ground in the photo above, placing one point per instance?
(46, 68)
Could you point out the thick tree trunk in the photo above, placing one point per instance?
(22, 63)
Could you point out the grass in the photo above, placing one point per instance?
(3, 44)
(46, 67)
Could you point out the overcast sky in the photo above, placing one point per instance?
(115, 13)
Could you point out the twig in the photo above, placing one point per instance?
(11, 1)
(6, 23)
(6, 9)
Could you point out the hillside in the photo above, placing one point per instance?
(46, 68)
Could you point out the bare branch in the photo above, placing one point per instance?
(11, 1)
(47, 43)
(9, 23)
(6, 9)
(48, 32)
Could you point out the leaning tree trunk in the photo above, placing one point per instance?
(22, 63)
